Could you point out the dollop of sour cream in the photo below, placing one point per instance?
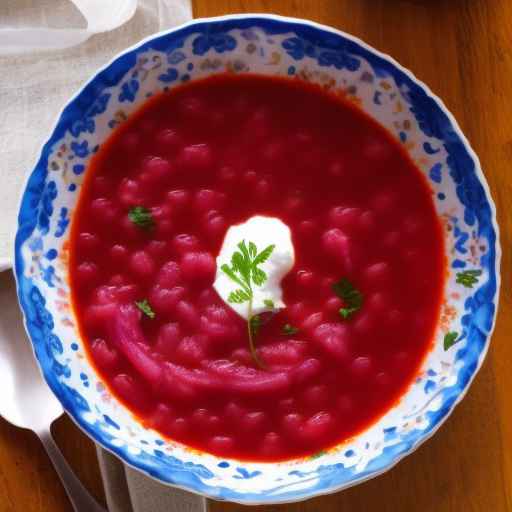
(262, 231)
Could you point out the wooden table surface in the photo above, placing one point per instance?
(463, 50)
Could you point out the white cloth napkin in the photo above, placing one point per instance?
(33, 89)
(128, 490)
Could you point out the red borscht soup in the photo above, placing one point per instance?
(361, 301)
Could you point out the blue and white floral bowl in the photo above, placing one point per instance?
(274, 46)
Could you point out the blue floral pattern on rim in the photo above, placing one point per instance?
(270, 45)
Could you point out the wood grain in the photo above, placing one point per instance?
(463, 50)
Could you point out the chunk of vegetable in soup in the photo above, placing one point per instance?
(355, 315)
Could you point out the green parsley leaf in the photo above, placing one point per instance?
(318, 454)
(252, 249)
(468, 278)
(346, 313)
(141, 217)
(244, 271)
(264, 255)
(145, 307)
(289, 330)
(231, 274)
(258, 276)
(350, 295)
(269, 303)
(238, 296)
(450, 338)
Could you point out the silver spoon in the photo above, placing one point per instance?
(26, 401)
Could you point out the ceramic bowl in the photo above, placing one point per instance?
(269, 45)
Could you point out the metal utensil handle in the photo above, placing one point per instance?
(79, 496)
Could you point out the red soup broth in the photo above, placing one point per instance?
(213, 153)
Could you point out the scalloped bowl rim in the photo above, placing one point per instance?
(301, 496)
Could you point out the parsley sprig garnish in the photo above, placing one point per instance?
(468, 278)
(245, 271)
(141, 217)
(145, 307)
(351, 296)
(450, 338)
(289, 330)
